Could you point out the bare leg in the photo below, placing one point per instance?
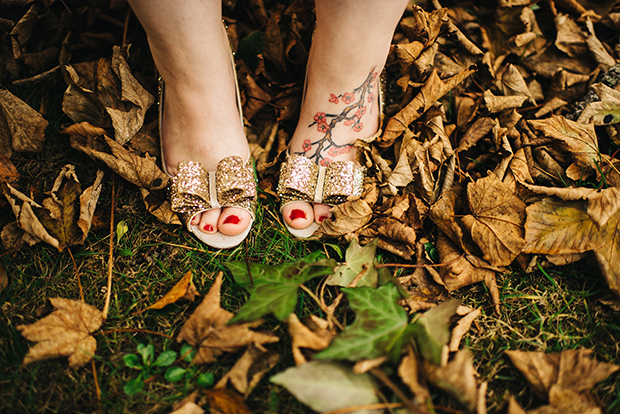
(201, 121)
(349, 50)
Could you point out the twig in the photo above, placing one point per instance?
(380, 375)
(356, 408)
(132, 330)
(247, 262)
(77, 274)
(108, 293)
(97, 389)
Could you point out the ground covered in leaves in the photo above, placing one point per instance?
(478, 272)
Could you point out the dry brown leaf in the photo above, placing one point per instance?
(64, 218)
(303, 337)
(457, 378)
(570, 39)
(409, 373)
(456, 271)
(433, 89)
(497, 219)
(501, 103)
(352, 215)
(141, 171)
(4, 278)
(461, 328)
(249, 370)
(512, 83)
(208, 331)
(21, 127)
(65, 332)
(478, 130)
(189, 408)
(128, 120)
(573, 370)
(566, 401)
(184, 289)
(8, 172)
(579, 140)
(224, 401)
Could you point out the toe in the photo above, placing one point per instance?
(298, 215)
(208, 221)
(233, 221)
(321, 212)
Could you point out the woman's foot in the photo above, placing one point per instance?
(332, 119)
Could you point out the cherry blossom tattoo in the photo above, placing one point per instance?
(351, 116)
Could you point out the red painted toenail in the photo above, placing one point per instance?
(208, 227)
(295, 214)
(322, 218)
(232, 220)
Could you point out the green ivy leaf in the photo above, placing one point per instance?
(165, 359)
(205, 379)
(132, 361)
(358, 259)
(274, 289)
(147, 352)
(380, 325)
(174, 374)
(133, 386)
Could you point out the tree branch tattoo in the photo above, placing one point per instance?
(351, 116)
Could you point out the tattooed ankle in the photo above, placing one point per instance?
(359, 102)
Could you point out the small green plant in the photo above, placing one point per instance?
(143, 361)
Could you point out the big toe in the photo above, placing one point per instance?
(233, 221)
(298, 215)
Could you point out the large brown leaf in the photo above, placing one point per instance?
(433, 89)
(249, 369)
(63, 219)
(209, 331)
(496, 222)
(21, 127)
(65, 332)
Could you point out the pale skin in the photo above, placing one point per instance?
(201, 121)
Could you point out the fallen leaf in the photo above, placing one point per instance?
(209, 330)
(189, 408)
(351, 215)
(512, 83)
(23, 126)
(127, 121)
(461, 328)
(63, 219)
(380, 325)
(409, 373)
(431, 332)
(497, 219)
(8, 172)
(327, 386)
(501, 103)
(433, 89)
(603, 112)
(457, 378)
(184, 289)
(249, 370)
(4, 278)
(358, 267)
(303, 337)
(274, 289)
(65, 332)
(223, 401)
(579, 140)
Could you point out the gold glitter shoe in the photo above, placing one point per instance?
(303, 180)
(195, 190)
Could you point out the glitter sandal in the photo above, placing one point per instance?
(303, 180)
(195, 190)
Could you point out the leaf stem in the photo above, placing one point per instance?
(106, 306)
(97, 389)
(132, 330)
